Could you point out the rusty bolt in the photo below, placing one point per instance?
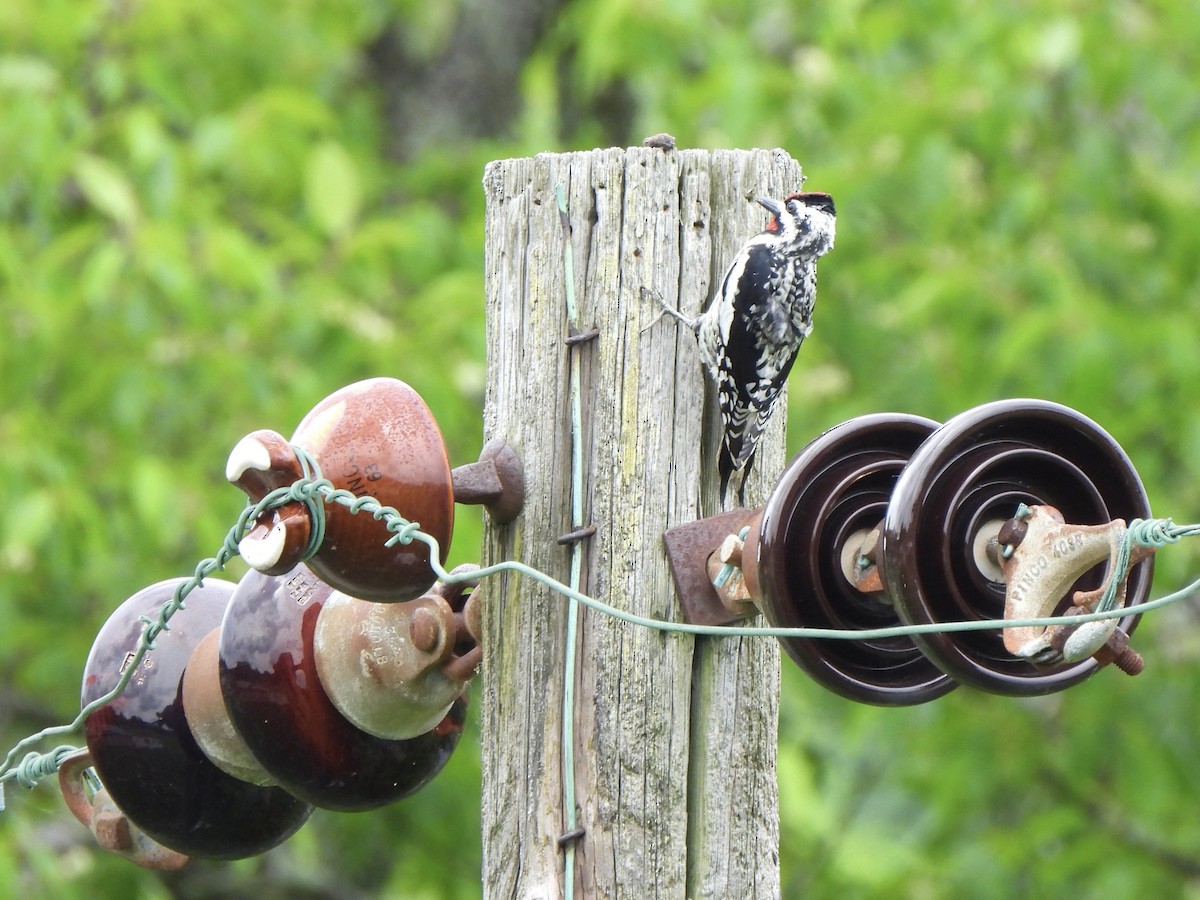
(1118, 652)
(424, 630)
(730, 552)
(1129, 661)
(1012, 533)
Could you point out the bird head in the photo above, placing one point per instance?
(806, 221)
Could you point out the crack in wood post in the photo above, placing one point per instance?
(675, 738)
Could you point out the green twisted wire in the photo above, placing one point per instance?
(317, 492)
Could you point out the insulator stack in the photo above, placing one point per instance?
(270, 679)
(143, 749)
(339, 682)
(891, 519)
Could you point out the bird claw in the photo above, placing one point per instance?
(653, 322)
(667, 309)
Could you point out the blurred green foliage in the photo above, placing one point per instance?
(200, 235)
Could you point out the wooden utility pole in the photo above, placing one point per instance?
(674, 737)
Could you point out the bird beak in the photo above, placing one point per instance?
(769, 205)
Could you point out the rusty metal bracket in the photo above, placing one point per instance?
(688, 548)
(111, 827)
(1041, 557)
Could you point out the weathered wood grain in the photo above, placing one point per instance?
(675, 737)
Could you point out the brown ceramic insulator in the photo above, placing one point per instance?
(208, 718)
(278, 540)
(269, 677)
(262, 462)
(976, 469)
(838, 486)
(144, 752)
(377, 438)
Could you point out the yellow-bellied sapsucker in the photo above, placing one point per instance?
(749, 336)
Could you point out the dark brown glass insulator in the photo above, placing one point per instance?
(144, 752)
(276, 702)
(976, 469)
(835, 488)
